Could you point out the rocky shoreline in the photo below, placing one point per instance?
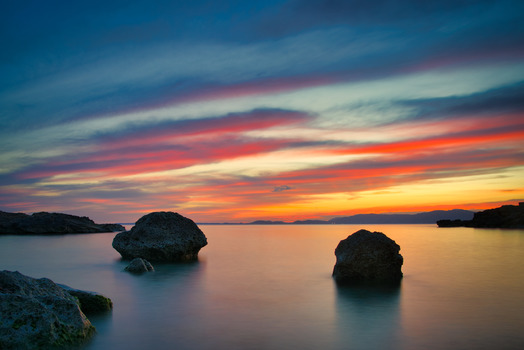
(44, 223)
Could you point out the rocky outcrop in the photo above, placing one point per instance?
(112, 227)
(139, 265)
(368, 257)
(51, 223)
(90, 303)
(453, 223)
(161, 236)
(38, 314)
(507, 216)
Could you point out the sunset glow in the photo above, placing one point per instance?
(260, 117)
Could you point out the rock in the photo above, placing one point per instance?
(161, 236)
(506, 216)
(139, 265)
(90, 302)
(51, 223)
(112, 227)
(454, 223)
(38, 314)
(368, 257)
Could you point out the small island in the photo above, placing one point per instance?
(51, 223)
(506, 216)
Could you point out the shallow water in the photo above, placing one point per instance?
(270, 287)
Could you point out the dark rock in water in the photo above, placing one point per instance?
(38, 314)
(161, 236)
(90, 302)
(139, 265)
(507, 216)
(367, 257)
(51, 223)
(454, 223)
(112, 227)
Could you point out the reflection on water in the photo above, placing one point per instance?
(270, 287)
(369, 316)
(150, 308)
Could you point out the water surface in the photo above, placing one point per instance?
(270, 287)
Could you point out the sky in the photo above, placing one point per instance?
(234, 111)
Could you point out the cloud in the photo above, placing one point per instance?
(281, 188)
(105, 80)
(505, 99)
(423, 15)
(169, 145)
(238, 122)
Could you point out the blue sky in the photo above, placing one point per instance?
(235, 110)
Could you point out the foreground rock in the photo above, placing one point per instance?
(368, 257)
(161, 236)
(38, 314)
(51, 223)
(507, 216)
(90, 303)
(139, 265)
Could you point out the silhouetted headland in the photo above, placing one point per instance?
(506, 216)
(51, 223)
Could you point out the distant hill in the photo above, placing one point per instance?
(267, 222)
(430, 217)
(310, 222)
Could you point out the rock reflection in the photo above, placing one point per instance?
(369, 316)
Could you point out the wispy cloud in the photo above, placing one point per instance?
(281, 188)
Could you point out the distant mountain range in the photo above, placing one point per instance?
(430, 217)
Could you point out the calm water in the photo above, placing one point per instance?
(270, 287)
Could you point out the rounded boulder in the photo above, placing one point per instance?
(161, 237)
(368, 257)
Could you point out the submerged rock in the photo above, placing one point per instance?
(38, 314)
(90, 302)
(161, 236)
(139, 265)
(367, 257)
(51, 223)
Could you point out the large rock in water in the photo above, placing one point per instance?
(368, 257)
(38, 314)
(161, 236)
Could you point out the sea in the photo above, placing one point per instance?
(270, 287)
